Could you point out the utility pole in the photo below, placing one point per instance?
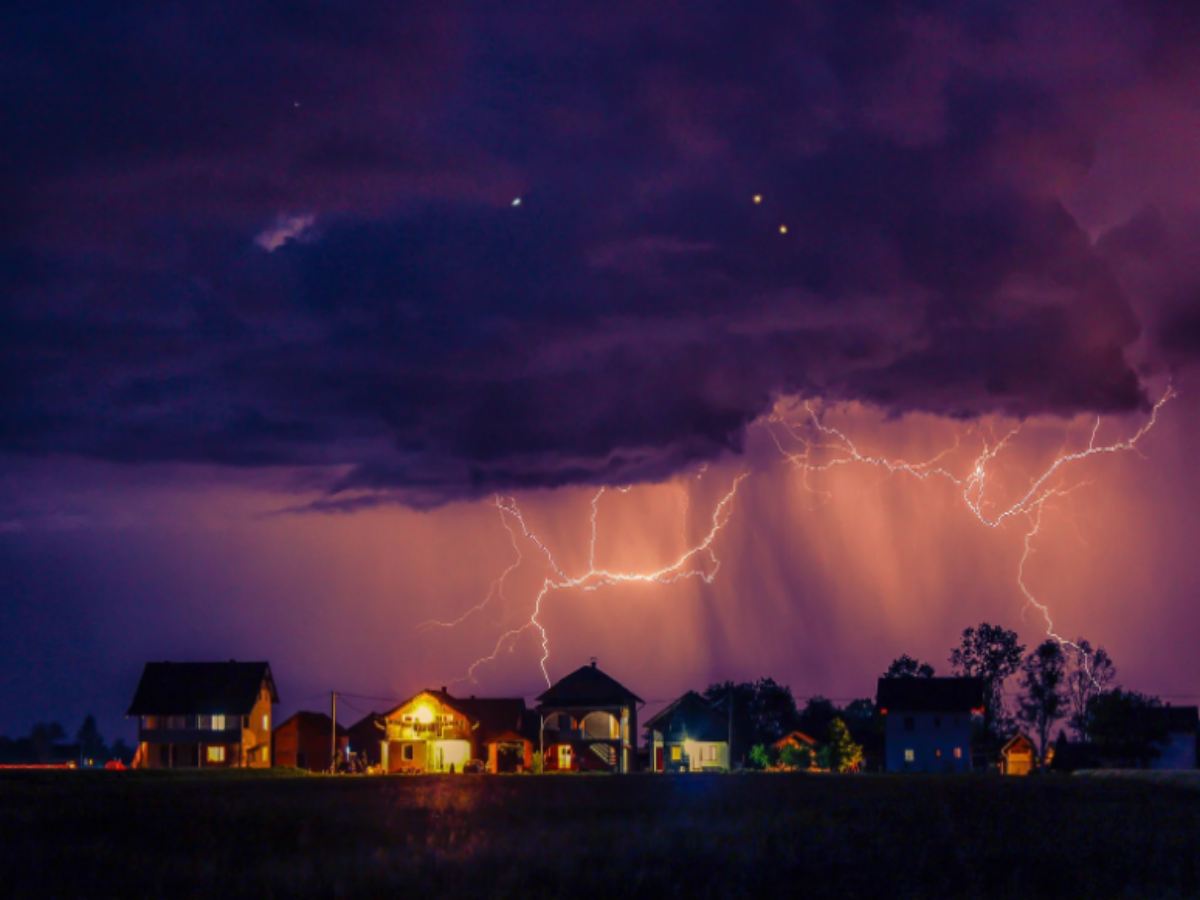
(333, 732)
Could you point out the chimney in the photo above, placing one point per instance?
(593, 662)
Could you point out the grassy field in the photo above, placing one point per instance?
(135, 834)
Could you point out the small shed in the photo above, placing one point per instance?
(1018, 756)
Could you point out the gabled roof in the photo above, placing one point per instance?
(795, 739)
(1016, 741)
(588, 686)
(691, 716)
(200, 688)
(930, 694)
(372, 722)
(310, 721)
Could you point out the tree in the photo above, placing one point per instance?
(1126, 727)
(91, 744)
(763, 712)
(814, 719)
(1043, 699)
(42, 739)
(1089, 674)
(840, 753)
(991, 653)
(759, 757)
(795, 756)
(904, 666)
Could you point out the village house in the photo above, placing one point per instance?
(1018, 756)
(796, 740)
(366, 738)
(928, 722)
(588, 722)
(304, 740)
(688, 736)
(204, 715)
(436, 732)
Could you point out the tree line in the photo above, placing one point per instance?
(47, 742)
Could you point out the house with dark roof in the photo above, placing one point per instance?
(588, 722)
(434, 731)
(928, 722)
(204, 715)
(688, 735)
(305, 740)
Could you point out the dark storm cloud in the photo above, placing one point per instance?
(629, 317)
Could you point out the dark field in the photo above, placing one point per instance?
(126, 834)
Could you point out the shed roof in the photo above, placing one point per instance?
(930, 694)
(187, 688)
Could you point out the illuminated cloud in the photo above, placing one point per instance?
(285, 228)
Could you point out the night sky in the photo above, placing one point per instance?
(290, 292)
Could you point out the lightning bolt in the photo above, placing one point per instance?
(697, 561)
(840, 450)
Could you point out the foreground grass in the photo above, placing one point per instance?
(129, 834)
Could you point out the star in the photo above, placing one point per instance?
(757, 198)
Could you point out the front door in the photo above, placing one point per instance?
(564, 757)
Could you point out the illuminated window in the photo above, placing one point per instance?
(709, 753)
(676, 753)
(215, 754)
(266, 722)
(564, 756)
(938, 753)
(958, 752)
(218, 723)
(910, 755)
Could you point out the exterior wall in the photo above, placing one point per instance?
(303, 746)
(256, 732)
(1179, 752)
(493, 755)
(930, 739)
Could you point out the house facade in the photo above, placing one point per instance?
(588, 722)
(1018, 756)
(204, 715)
(305, 741)
(365, 738)
(436, 732)
(928, 722)
(688, 736)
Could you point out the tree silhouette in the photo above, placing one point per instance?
(904, 666)
(991, 653)
(1043, 683)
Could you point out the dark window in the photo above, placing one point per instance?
(909, 724)
(937, 721)
(407, 752)
(301, 759)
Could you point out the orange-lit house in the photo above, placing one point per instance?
(800, 741)
(436, 732)
(204, 715)
(588, 722)
(304, 740)
(1018, 756)
(688, 736)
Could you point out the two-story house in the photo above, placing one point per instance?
(436, 732)
(204, 714)
(588, 721)
(929, 722)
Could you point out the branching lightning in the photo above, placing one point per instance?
(813, 447)
(698, 561)
(814, 437)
